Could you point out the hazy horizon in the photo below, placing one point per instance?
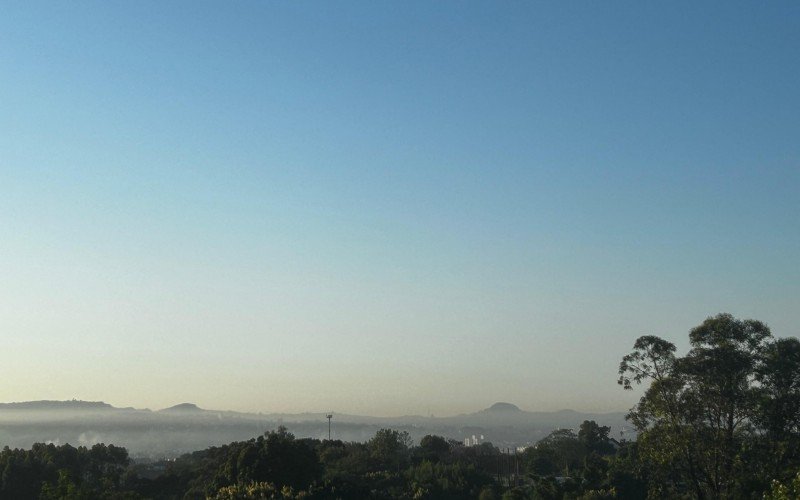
(311, 411)
(386, 208)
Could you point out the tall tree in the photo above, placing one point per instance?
(700, 410)
(595, 437)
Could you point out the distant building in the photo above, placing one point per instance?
(473, 440)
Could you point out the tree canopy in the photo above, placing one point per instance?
(714, 418)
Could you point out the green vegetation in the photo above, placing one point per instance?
(721, 422)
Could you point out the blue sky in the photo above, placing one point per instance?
(382, 207)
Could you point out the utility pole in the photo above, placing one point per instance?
(329, 416)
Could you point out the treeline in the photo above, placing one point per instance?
(721, 422)
(564, 465)
(47, 471)
(278, 465)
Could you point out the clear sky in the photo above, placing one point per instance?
(386, 207)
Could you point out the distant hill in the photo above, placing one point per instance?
(186, 427)
(57, 405)
(503, 407)
(184, 408)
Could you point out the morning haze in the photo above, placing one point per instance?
(386, 209)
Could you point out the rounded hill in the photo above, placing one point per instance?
(183, 407)
(504, 407)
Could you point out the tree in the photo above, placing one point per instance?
(595, 437)
(286, 461)
(777, 454)
(433, 448)
(719, 371)
(779, 391)
(558, 453)
(594, 470)
(627, 474)
(703, 413)
(389, 448)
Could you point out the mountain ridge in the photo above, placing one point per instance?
(44, 404)
(496, 408)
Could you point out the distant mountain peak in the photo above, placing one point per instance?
(504, 407)
(184, 407)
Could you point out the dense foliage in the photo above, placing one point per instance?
(49, 471)
(721, 422)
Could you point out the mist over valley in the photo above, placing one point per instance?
(183, 428)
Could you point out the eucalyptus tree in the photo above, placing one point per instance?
(703, 414)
